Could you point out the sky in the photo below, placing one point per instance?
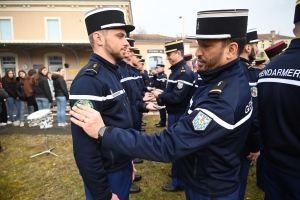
(162, 16)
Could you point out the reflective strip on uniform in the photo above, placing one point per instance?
(185, 82)
(127, 79)
(279, 80)
(97, 98)
(161, 79)
(222, 122)
(253, 84)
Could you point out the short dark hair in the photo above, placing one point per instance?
(181, 51)
(241, 41)
(58, 69)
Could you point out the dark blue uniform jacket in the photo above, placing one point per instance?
(161, 81)
(207, 141)
(179, 89)
(279, 108)
(108, 97)
(254, 140)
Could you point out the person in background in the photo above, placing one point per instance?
(3, 113)
(10, 85)
(61, 95)
(41, 89)
(22, 76)
(31, 104)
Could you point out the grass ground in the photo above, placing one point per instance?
(48, 177)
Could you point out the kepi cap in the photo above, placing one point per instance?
(259, 62)
(174, 46)
(188, 57)
(160, 65)
(252, 36)
(275, 49)
(221, 24)
(106, 18)
(297, 12)
(130, 41)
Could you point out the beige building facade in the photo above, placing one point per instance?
(50, 33)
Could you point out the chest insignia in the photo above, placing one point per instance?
(180, 85)
(84, 102)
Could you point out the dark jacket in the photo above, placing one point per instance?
(60, 86)
(100, 85)
(11, 88)
(179, 89)
(207, 140)
(42, 90)
(3, 94)
(254, 141)
(161, 81)
(279, 108)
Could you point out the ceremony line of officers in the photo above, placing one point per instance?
(241, 112)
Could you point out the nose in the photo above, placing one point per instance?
(199, 52)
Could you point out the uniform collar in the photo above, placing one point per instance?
(295, 44)
(178, 65)
(103, 62)
(245, 60)
(212, 75)
(160, 73)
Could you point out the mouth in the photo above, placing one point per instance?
(201, 62)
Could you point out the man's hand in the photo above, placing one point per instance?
(156, 93)
(133, 171)
(150, 88)
(114, 197)
(88, 119)
(253, 156)
(150, 106)
(148, 96)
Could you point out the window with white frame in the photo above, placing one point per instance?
(53, 29)
(5, 29)
(54, 62)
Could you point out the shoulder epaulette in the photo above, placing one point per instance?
(218, 88)
(182, 69)
(93, 67)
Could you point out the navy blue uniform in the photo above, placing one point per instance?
(161, 83)
(152, 79)
(198, 80)
(278, 105)
(207, 140)
(103, 89)
(179, 89)
(254, 141)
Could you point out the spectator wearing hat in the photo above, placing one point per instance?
(161, 83)
(275, 50)
(254, 142)
(278, 105)
(207, 140)
(176, 96)
(106, 174)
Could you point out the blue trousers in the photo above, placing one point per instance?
(162, 113)
(193, 195)
(259, 170)
(43, 103)
(279, 186)
(244, 177)
(176, 180)
(10, 104)
(119, 182)
(61, 109)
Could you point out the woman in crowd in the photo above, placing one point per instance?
(22, 76)
(11, 87)
(41, 89)
(61, 95)
(3, 110)
(31, 104)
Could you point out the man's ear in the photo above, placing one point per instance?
(294, 31)
(98, 38)
(232, 50)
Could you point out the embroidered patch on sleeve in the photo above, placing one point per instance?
(201, 121)
(84, 102)
(180, 85)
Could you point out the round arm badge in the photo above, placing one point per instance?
(84, 102)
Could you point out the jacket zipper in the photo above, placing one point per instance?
(131, 124)
(112, 158)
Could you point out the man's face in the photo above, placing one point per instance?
(210, 54)
(173, 57)
(135, 61)
(160, 69)
(115, 43)
(254, 50)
